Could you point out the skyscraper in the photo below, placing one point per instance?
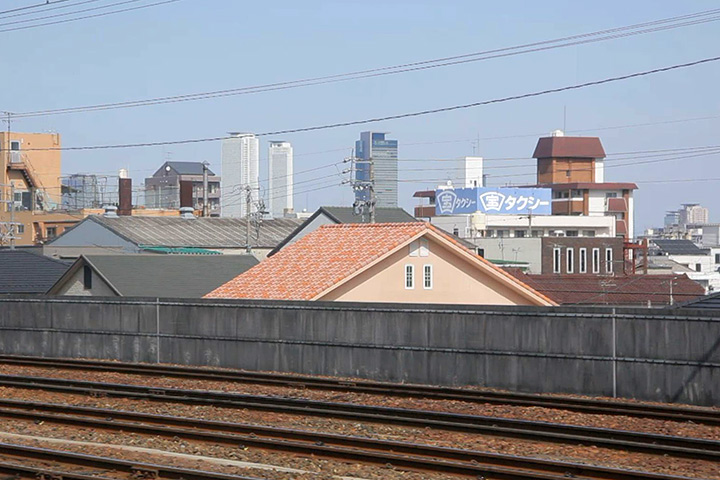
(280, 187)
(240, 170)
(384, 154)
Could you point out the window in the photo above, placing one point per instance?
(456, 232)
(503, 233)
(571, 233)
(536, 233)
(698, 267)
(51, 232)
(570, 260)
(519, 233)
(588, 233)
(481, 252)
(20, 228)
(409, 277)
(427, 277)
(717, 258)
(596, 260)
(610, 194)
(583, 261)
(87, 277)
(608, 260)
(556, 260)
(489, 233)
(14, 145)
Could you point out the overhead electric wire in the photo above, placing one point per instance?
(609, 34)
(403, 115)
(49, 8)
(95, 15)
(65, 14)
(29, 7)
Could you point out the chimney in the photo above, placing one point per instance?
(187, 212)
(110, 211)
(186, 194)
(125, 197)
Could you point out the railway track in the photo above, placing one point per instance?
(339, 447)
(496, 426)
(16, 460)
(584, 405)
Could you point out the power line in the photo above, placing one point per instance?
(399, 116)
(28, 7)
(96, 15)
(619, 32)
(65, 14)
(49, 8)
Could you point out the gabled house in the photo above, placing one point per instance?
(383, 262)
(24, 272)
(337, 215)
(102, 235)
(160, 276)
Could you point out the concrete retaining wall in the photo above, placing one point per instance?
(664, 355)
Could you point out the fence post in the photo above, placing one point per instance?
(614, 353)
(157, 330)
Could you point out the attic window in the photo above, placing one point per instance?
(87, 278)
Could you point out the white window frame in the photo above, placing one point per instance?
(595, 260)
(583, 261)
(427, 277)
(557, 260)
(570, 260)
(609, 260)
(409, 274)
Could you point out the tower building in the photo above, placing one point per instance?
(384, 154)
(240, 171)
(280, 186)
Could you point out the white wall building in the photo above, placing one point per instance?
(280, 187)
(473, 170)
(240, 170)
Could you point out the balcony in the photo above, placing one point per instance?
(425, 211)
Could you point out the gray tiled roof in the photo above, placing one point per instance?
(678, 247)
(201, 232)
(185, 168)
(382, 215)
(25, 272)
(169, 276)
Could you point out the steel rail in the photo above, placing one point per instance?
(396, 454)
(106, 463)
(496, 426)
(584, 405)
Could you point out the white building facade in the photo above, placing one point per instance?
(240, 172)
(280, 186)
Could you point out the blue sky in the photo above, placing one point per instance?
(194, 46)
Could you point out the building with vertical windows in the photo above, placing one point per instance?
(384, 155)
(280, 186)
(162, 190)
(240, 171)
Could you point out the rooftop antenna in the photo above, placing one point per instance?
(564, 118)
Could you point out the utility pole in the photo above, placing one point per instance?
(12, 215)
(248, 204)
(206, 209)
(367, 204)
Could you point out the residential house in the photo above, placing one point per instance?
(619, 290)
(701, 262)
(162, 190)
(337, 215)
(160, 276)
(108, 234)
(382, 262)
(25, 272)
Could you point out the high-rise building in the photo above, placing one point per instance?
(240, 171)
(280, 186)
(384, 155)
(693, 214)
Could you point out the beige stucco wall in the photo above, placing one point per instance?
(455, 281)
(45, 164)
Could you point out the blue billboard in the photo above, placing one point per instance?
(503, 200)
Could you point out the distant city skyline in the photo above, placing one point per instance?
(280, 181)
(383, 152)
(240, 171)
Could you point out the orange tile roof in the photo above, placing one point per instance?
(328, 255)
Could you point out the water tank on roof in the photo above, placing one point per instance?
(557, 133)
